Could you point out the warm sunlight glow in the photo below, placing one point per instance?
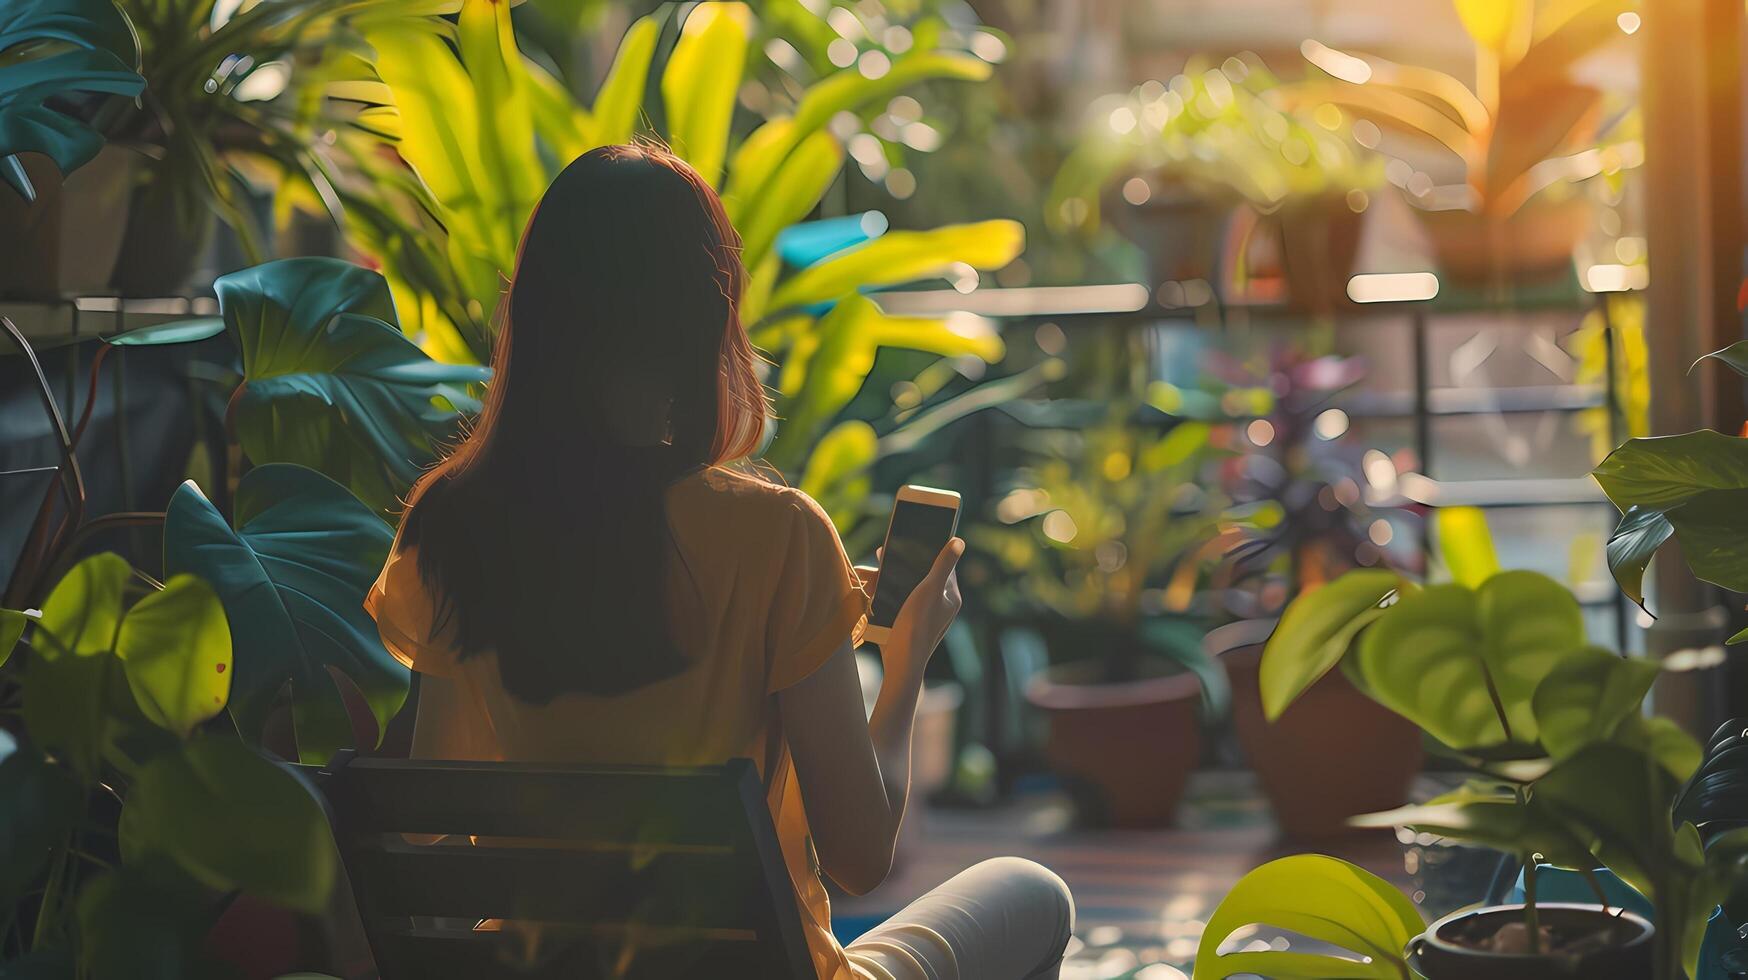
(1340, 64)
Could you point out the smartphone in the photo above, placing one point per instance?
(923, 521)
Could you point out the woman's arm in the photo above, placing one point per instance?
(855, 778)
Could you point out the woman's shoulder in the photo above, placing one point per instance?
(744, 494)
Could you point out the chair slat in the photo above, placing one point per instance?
(517, 800)
(490, 956)
(697, 889)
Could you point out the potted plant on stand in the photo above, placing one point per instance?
(1565, 769)
(1108, 537)
(1514, 216)
(1334, 753)
(1220, 183)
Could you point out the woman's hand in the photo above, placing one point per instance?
(925, 615)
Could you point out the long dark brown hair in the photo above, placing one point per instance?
(544, 534)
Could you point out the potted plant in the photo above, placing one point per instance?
(1683, 487)
(1106, 536)
(1213, 140)
(1516, 215)
(137, 803)
(1565, 768)
(1334, 753)
(227, 101)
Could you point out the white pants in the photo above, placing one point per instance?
(1004, 919)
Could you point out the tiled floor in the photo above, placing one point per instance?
(1141, 895)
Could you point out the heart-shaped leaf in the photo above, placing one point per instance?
(1322, 898)
(292, 576)
(1663, 471)
(1586, 697)
(1316, 631)
(234, 820)
(71, 682)
(331, 384)
(175, 648)
(1451, 660)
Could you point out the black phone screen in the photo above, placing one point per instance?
(918, 533)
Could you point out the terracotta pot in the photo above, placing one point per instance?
(1183, 233)
(1533, 245)
(1131, 744)
(1333, 754)
(1436, 956)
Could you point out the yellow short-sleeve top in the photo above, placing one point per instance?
(761, 596)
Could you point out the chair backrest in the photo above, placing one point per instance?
(565, 871)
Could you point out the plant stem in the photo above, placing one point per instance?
(1532, 918)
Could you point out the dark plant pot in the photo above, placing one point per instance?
(1320, 240)
(1332, 755)
(99, 231)
(1183, 233)
(1132, 743)
(1534, 245)
(1438, 955)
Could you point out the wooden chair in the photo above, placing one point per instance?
(590, 871)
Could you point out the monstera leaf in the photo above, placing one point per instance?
(1451, 659)
(292, 574)
(58, 48)
(329, 382)
(1322, 898)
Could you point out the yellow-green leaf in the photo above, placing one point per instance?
(1466, 545)
(12, 625)
(903, 256)
(621, 95)
(509, 165)
(84, 611)
(701, 82)
(175, 648)
(1317, 630)
(803, 180)
(1325, 899)
(560, 123)
(848, 449)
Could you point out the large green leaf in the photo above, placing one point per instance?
(292, 577)
(1636, 538)
(1663, 471)
(175, 648)
(1490, 816)
(1444, 655)
(701, 83)
(900, 257)
(1713, 530)
(1316, 631)
(58, 50)
(1585, 698)
(234, 820)
(1735, 357)
(330, 384)
(621, 94)
(1619, 798)
(39, 804)
(1321, 898)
